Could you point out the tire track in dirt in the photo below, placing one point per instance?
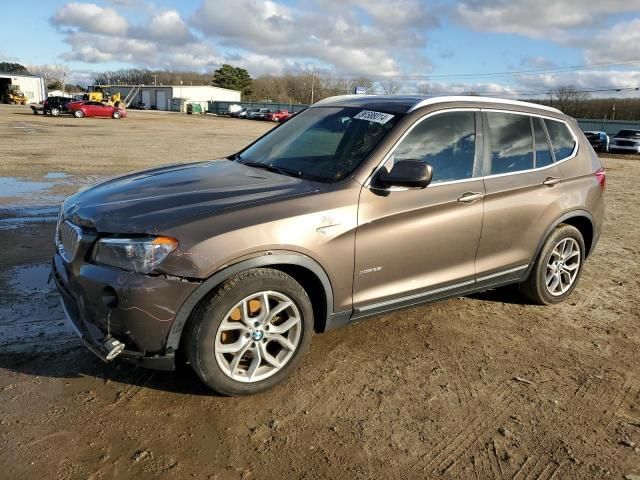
(589, 396)
(445, 455)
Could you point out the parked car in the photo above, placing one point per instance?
(140, 106)
(626, 141)
(54, 106)
(96, 109)
(598, 140)
(242, 113)
(277, 116)
(355, 207)
(258, 114)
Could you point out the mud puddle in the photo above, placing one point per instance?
(25, 201)
(31, 319)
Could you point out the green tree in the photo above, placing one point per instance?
(9, 67)
(234, 78)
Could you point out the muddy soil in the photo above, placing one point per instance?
(476, 387)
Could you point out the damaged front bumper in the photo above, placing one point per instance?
(115, 310)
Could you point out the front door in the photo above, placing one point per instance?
(411, 242)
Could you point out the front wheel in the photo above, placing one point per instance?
(78, 114)
(251, 333)
(55, 111)
(558, 267)
(116, 115)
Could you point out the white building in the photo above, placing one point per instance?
(33, 87)
(174, 97)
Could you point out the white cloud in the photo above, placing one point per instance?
(619, 43)
(538, 19)
(168, 27)
(334, 37)
(90, 17)
(98, 48)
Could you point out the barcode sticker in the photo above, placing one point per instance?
(372, 116)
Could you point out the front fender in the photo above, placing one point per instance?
(264, 259)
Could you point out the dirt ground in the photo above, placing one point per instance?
(476, 387)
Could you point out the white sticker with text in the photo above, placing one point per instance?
(372, 116)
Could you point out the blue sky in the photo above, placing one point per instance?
(443, 46)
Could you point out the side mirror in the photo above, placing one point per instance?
(407, 173)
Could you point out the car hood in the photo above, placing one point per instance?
(147, 201)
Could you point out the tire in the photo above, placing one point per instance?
(206, 334)
(535, 287)
(55, 112)
(116, 115)
(35, 112)
(78, 114)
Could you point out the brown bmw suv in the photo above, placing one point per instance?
(357, 206)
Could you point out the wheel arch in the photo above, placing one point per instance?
(582, 220)
(302, 268)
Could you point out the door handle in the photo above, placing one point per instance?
(470, 197)
(551, 181)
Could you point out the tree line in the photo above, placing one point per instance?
(305, 88)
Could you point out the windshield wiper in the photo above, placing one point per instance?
(272, 168)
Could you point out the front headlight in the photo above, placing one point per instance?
(142, 255)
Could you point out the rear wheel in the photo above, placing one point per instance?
(55, 111)
(558, 267)
(78, 114)
(251, 333)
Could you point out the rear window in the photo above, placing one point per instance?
(561, 139)
(511, 142)
(543, 153)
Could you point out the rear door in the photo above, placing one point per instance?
(412, 243)
(524, 193)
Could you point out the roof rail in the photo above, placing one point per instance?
(342, 97)
(473, 98)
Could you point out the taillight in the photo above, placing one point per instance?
(601, 176)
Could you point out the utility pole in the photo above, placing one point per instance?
(313, 77)
(154, 79)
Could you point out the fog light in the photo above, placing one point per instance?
(114, 348)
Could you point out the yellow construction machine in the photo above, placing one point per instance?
(14, 96)
(103, 93)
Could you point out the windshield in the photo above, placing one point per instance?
(591, 135)
(323, 144)
(629, 133)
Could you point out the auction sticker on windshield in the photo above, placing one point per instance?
(372, 116)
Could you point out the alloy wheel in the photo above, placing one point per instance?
(258, 336)
(563, 266)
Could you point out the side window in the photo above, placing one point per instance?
(510, 141)
(543, 152)
(447, 141)
(561, 139)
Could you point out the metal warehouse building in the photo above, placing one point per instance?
(174, 97)
(33, 87)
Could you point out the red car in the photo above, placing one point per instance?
(95, 109)
(277, 116)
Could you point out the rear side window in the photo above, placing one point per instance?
(561, 139)
(543, 153)
(510, 141)
(447, 141)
